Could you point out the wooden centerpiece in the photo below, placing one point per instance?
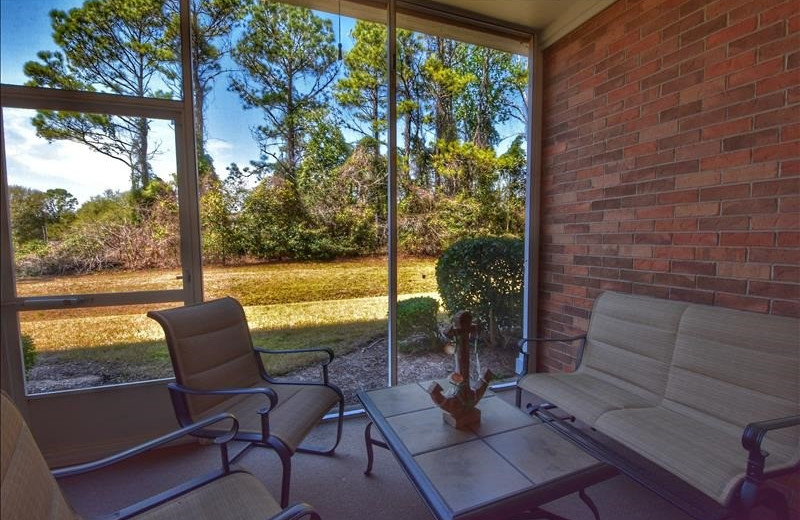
(458, 402)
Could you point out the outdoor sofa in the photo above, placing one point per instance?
(711, 395)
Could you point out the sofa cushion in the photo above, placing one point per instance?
(630, 342)
(580, 394)
(703, 451)
(738, 367)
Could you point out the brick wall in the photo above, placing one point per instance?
(671, 160)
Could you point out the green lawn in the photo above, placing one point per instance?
(337, 304)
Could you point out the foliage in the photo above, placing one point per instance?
(417, 316)
(40, 215)
(29, 353)
(484, 276)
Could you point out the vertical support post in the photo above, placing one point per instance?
(527, 361)
(391, 76)
(188, 185)
(11, 362)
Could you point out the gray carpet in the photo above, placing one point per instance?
(336, 485)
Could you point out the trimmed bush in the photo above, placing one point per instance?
(416, 317)
(485, 277)
(28, 352)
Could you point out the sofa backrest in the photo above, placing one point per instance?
(737, 367)
(630, 342)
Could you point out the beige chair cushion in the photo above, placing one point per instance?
(581, 394)
(238, 496)
(210, 348)
(28, 489)
(630, 342)
(738, 367)
(707, 453)
(299, 409)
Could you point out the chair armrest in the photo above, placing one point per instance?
(522, 359)
(296, 512)
(304, 351)
(221, 440)
(185, 418)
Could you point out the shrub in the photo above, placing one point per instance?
(28, 352)
(484, 276)
(417, 317)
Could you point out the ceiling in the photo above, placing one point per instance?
(551, 18)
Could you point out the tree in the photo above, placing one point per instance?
(211, 24)
(490, 96)
(112, 46)
(37, 215)
(288, 59)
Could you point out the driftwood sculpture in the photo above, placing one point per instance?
(458, 403)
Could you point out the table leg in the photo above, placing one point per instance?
(369, 441)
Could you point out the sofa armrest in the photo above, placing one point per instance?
(522, 359)
(752, 438)
(296, 512)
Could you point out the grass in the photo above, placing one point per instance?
(338, 304)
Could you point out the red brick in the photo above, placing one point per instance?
(755, 105)
(725, 160)
(750, 173)
(654, 212)
(727, 128)
(681, 111)
(727, 285)
(748, 271)
(779, 82)
(650, 290)
(790, 132)
(735, 191)
(783, 291)
(687, 267)
(723, 254)
(750, 140)
(780, 187)
(703, 30)
(736, 63)
(697, 210)
(779, 12)
(786, 308)
(790, 205)
(698, 179)
(745, 303)
(748, 239)
(700, 239)
(641, 264)
(749, 206)
(653, 238)
(679, 139)
(775, 222)
(636, 276)
(775, 255)
(677, 197)
(766, 35)
(724, 224)
(677, 224)
(699, 150)
(683, 253)
(788, 239)
(755, 73)
(688, 295)
(733, 32)
(674, 280)
(783, 116)
(786, 273)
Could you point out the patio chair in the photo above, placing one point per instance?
(217, 369)
(30, 490)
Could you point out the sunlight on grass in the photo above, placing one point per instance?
(340, 305)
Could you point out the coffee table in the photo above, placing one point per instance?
(505, 467)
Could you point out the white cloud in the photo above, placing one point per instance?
(35, 163)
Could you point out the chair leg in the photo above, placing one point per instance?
(286, 478)
(339, 429)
